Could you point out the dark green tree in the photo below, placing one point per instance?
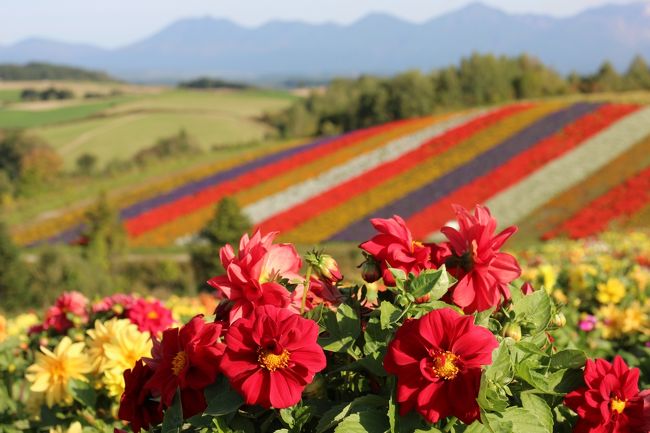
(86, 163)
(226, 227)
(104, 235)
(637, 75)
(13, 272)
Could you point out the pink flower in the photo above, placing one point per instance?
(472, 256)
(117, 303)
(394, 247)
(150, 316)
(69, 308)
(588, 323)
(253, 275)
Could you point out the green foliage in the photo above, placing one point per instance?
(212, 83)
(226, 227)
(51, 93)
(13, 272)
(104, 234)
(178, 144)
(86, 163)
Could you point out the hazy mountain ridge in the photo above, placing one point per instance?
(377, 43)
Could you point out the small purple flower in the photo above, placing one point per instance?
(588, 323)
(647, 344)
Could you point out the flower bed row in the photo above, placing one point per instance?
(622, 201)
(483, 164)
(516, 202)
(327, 223)
(484, 186)
(364, 180)
(194, 211)
(554, 212)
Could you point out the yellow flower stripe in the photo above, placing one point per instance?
(167, 233)
(336, 219)
(45, 228)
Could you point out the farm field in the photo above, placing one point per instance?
(129, 118)
(550, 166)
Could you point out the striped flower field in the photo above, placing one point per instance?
(554, 168)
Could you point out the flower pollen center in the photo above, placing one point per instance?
(416, 244)
(179, 362)
(618, 405)
(445, 365)
(271, 360)
(152, 315)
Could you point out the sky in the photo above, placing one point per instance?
(113, 23)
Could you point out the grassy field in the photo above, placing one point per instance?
(130, 118)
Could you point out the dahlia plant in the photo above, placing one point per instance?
(442, 337)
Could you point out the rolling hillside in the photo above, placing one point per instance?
(553, 167)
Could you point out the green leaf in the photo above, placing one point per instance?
(430, 282)
(534, 309)
(336, 414)
(370, 421)
(399, 275)
(173, 418)
(540, 410)
(83, 393)
(343, 328)
(389, 314)
(221, 398)
(569, 358)
(393, 412)
(501, 370)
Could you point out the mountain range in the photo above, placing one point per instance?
(377, 43)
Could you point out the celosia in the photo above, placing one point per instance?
(437, 360)
(150, 316)
(394, 247)
(52, 372)
(137, 405)
(472, 256)
(252, 276)
(610, 401)
(271, 355)
(187, 359)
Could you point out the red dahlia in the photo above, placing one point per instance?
(610, 401)
(437, 360)
(394, 247)
(271, 356)
(137, 405)
(472, 256)
(187, 358)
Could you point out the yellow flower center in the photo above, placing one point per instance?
(179, 362)
(272, 361)
(152, 315)
(444, 365)
(617, 405)
(416, 244)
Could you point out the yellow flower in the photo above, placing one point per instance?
(635, 319)
(641, 277)
(75, 427)
(549, 277)
(578, 276)
(115, 346)
(52, 372)
(610, 292)
(612, 322)
(19, 325)
(104, 333)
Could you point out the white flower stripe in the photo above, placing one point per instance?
(296, 194)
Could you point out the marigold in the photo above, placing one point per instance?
(271, 356)
(52, 372)
(437, 360)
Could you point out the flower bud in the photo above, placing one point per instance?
(328, 269)
(370, 271)
(512, 330)
(559, 320)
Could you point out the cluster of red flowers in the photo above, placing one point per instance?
(471, 255)
(72, 309)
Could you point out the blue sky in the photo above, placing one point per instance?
(111, 23)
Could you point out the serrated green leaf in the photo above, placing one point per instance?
(534, 309)
(539, 409)
(335, 415)
(569, 358)
(388, 314)
(434, 283)
(370, 421)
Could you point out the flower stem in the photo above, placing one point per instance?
(306, 290)
(450, 424)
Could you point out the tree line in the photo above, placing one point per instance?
(45, 71)
(349, 104)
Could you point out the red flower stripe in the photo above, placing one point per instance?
(482, 188)
(547, 217)
(293, 217)
(621, 202)
(166, 213)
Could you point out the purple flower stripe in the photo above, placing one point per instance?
(484, 163)
(74, 233)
